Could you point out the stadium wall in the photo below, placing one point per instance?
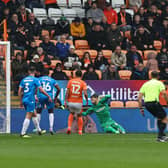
(130, 119)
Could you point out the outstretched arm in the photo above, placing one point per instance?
(20, 95)
(165, 96)
(89, 111)
(58, 91)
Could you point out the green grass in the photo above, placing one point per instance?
(87, 151)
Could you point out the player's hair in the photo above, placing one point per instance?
(154, 74)
(45, 72)
(166, 82)
(32, 69)
(94, 96)
(78, 73)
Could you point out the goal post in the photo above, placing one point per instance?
(5, 87)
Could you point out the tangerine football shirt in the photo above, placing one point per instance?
(76, 87)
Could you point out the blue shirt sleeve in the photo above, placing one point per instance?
(21, 84)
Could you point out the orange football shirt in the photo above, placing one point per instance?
(76, 87)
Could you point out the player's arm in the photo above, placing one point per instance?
(58, 91)
(66, 97)
(140, 97)
(89, 111)
(104, 99)
(45, 93)
(86, 97)
(165, 96)
(20, 94)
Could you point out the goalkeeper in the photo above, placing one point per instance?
(101, 108)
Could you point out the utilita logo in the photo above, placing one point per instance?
(122, 94)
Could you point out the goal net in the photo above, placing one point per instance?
(5, 90)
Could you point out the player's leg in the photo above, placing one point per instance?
(51, 120)
(39, 111)
(29, 107)
(26, 124)
(70, 118)
(80, 124)
(118, 127)
(157, 111)
(110, 129)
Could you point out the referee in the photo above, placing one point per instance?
(151, 91)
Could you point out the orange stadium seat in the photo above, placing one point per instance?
(70, 42)
(68, 73)
(146, 52)
(140, 52)
(99, 74)
(131, 104)
(17, 51)
(125, 74)
(38, 42)
(79, 53)
(93, 53)
(81, 44)
(54, 63)
(145, 62)
(107, 53)
(54, 41)
(158, 44)
(116, 104)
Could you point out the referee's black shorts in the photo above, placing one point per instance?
(156, 109)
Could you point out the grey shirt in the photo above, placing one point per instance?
(95, 14)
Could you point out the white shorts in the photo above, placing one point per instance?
(75, 107)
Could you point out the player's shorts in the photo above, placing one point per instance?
(156, 109)
(29, 106)
(75, 107)
(44, 101)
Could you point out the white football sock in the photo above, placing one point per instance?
(36, 123)
(51, 120)
(25, 126)
(39, 117)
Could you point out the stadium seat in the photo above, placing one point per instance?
(107, 53)
(79, 53)
(75, 3)
(54, 63)
(149, 74)
(54, 14)
(38, 42)
(70, 42)
(132, 104)
(146, 52)
(40, 14)
(140, 52)
(17, 51)
(116, 104)
(70, 14)
(81, 44)
(68, 73)
(80, 12)
(29, 10)
(99, 74)
(62, 3)
(117, 3)
(54, 41)
(125, 74)
(158, 44)
(128, 35)
(130, 11)
(93, 53)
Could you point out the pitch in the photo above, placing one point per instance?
(87, 151)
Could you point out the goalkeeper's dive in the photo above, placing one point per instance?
(102, 110)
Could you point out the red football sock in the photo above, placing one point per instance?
(80, 123)
(70, 120)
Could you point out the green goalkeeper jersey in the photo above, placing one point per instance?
(102, 111)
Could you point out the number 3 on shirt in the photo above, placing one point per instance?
(26, 87)
(75, 89)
